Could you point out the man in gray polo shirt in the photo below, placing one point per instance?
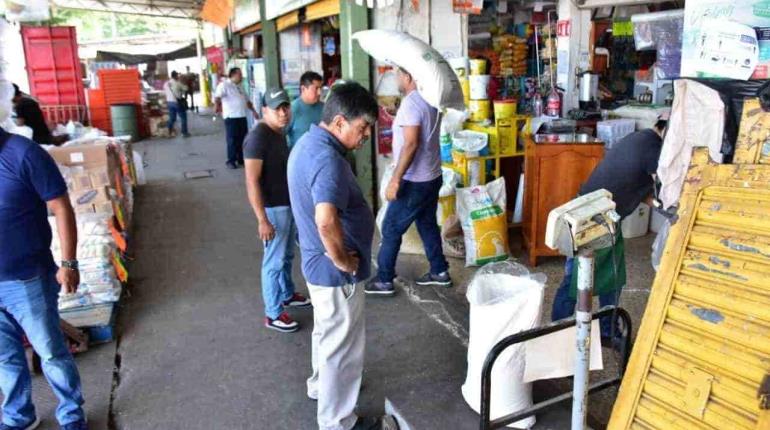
(336, 227)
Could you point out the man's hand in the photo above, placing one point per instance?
(69, 279)
(266, 231)
(350, 265)
(391, 192)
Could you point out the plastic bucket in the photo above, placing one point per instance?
(505, 109)
(124, 121)
(465, 85)
(459, 65)
(480, 110)
(478, 66)
(480, 87)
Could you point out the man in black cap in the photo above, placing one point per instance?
(266, 155)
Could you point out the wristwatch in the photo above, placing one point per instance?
(70, 264)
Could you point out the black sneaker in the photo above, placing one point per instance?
(378, 288)
(442, 280)
(386, 422)
(231, 165)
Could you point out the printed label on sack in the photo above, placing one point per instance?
(77, 157)
(489, 227)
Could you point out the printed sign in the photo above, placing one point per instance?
(563, 28)
(468, 6)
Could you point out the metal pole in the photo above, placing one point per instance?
(585, 262)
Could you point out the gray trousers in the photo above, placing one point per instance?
(337, 353)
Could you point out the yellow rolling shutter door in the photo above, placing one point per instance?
(703, 348)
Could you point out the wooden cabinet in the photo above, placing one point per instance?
(553, 174)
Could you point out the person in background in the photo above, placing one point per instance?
(336, 227)
(232, 103)
(30, 187)
(28, 113)
(626, 172)
(306, 110)
(413, 190)
(177, 104)
(266, 155)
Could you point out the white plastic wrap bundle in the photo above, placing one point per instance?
(96, 249)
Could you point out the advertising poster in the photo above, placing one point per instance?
(701, 38)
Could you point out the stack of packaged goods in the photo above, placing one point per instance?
(100, 176)
(512, 55)
(156, 111)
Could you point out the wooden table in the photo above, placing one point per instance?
(553, 174)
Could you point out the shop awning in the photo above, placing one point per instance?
(189, 9)
(132, 59)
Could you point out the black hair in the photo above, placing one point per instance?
(174, 74)
(16, 91)
(352, 101)
(233, 71)
(308, 78)
(661, 124)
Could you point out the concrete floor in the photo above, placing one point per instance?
(193, 353)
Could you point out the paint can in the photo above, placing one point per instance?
(460, 66)
(478, 66)
(480, 87)
(465, 85)
(505, 109)
(480, 110)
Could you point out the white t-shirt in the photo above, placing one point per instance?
(233, 99)
(174, 90)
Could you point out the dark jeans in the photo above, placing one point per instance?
(416, 202)
(235, 132)
(564, 305)
(173, 111)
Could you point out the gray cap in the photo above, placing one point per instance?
(275, 97)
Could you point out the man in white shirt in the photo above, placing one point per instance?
(232, 103)
(177, 104)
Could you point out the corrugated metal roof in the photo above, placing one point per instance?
(164, 8)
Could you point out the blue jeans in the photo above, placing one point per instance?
(31, 307)
(564, 305)
(235, 131)
(415, 202)
(173, 111)
(277, 286)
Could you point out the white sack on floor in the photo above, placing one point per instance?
(505, 299)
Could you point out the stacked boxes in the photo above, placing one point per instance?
(99, 174)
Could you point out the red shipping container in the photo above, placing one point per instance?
(53, 65)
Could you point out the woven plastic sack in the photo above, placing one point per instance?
(481, 210)
(505, 299)
(436, 81)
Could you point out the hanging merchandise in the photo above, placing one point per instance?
(537, 105)
(481, 210)
(436, 81)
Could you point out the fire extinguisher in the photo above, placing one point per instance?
(553, 103)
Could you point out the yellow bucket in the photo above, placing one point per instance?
(478, 66)
(480, 110)
(505, 109)
(465, 85)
